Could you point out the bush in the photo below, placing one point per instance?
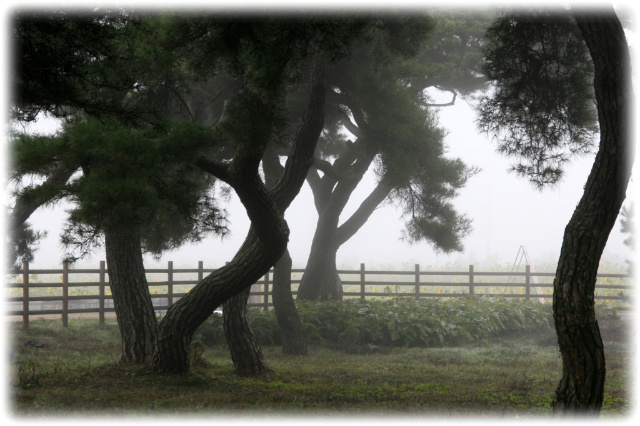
(423, 322)
(211, 332)
(397, 322)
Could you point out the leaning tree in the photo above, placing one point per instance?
(391, 55)
(264, 56)
(548, 68)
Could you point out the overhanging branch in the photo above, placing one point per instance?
(349, 228)
(453, 99)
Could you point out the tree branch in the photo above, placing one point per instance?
(27, 202)
(316, 185)
(346, 100)
(302, 155)
(352, 225)
(215, 168)
(327, 168)
(444, 89)
(349, 125)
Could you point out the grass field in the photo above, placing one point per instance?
(76, 374)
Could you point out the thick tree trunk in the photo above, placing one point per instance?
(293, 342)
(268, 235)
(321, 280)
(131, 299)
(245, 352)
(176, 329)
(581, 387)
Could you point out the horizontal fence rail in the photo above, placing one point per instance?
(166, 286)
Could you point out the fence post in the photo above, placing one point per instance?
(65, 294)
(471, 290)
(362, 281)
(266, 291)
(417, 281)
(200, 270)
(101, 294)
(170, 284)
(527, 282)
(25, 294)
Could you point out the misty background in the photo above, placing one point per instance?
(507, 212)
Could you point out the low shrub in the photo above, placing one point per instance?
(422, 322)
(211, 332)
(396, 322)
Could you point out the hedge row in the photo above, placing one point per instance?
(396, 322)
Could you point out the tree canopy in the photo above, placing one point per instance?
(540, 109)
(128, 175)
(95, 62)
(380, 117)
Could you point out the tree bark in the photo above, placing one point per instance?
(581, 388)
(321, 280)
(131, 299)
(293, 342)
(246, 354)
(292, 335)
(267, 238)
(331, 194)
(245, 351)
(176, 329)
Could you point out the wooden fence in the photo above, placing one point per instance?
(395, 283)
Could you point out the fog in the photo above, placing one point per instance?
(507, 212)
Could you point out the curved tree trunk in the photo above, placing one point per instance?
(581, 388)
(177, 327)
(245, 351)
(293, 342)
(130, 290)
(268, 235)
(246, 354)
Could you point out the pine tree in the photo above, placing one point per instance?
(264, 56)
(548, 67)
(138, 190)
(379, 97)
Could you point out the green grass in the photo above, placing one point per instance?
(77, 374)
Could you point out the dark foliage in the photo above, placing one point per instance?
(140, 177)
(540, 108)
(398, 322)
(65, 62)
